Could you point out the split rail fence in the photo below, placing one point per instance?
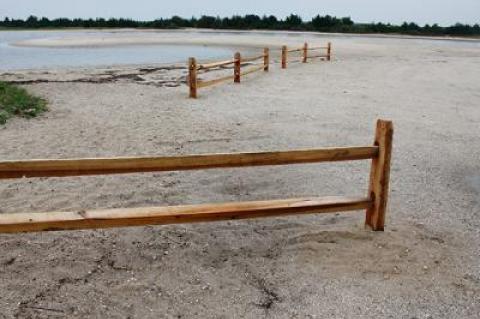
(305, 53)
(375, 202)
(194, 67)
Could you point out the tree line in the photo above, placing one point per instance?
(294, 22)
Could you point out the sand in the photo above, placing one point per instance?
(425, 265)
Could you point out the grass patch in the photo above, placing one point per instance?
(17, 101)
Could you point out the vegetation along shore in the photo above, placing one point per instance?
(15, 100)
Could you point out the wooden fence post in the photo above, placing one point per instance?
(237, 67)
(192, 77)
(284, 56)
(305, 52)
(380, 176)
(266, 59)
(329, 51)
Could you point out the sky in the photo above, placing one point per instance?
(443, 12)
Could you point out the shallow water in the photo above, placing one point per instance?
(17, 58)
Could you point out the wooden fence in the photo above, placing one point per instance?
(194, 68)
(375, 202)
(305, 53)
(237, 61)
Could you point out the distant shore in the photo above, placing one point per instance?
(154, 39)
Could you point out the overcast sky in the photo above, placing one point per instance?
(444, 12)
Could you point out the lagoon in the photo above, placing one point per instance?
(14, 57)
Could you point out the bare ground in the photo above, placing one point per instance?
(426, 264)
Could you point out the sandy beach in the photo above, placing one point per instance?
(425, 265)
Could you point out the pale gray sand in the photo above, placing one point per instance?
(426, 264)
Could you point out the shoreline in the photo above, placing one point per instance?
(244, 41)
(152, 40)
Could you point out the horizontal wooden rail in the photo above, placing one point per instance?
(252, 70)
(295, 50)
(305, 49)
(214, 64)
(104, 166)
(107, 218)
(253, 58)
(202, 84)
(194, 69)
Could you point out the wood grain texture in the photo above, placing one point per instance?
(91, 219)
(380, 176)
(103, 166)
